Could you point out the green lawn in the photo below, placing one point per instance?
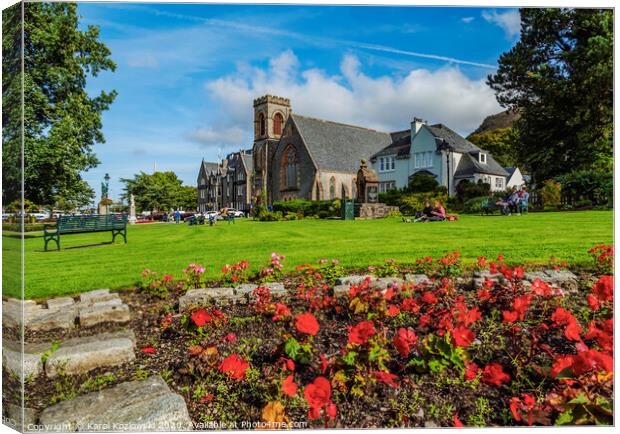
(85, 263)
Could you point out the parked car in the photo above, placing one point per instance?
(236, 213)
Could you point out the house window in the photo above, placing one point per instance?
(386, 186)
(499, 183)
(332, 188)
(428, 160)
(386, 164)
(482, 158)
(277, 124)
(289, 171)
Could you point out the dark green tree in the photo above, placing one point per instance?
(560, 76)
(161, 191)
(62, 122)
(502, 143)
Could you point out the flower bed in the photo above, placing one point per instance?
(431, 354)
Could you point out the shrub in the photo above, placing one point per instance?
(550, 193)
(467, 190)
(28, 227)
(301, 208)
(422, 183)
(596, 187)
(412, 203)
(474, 205)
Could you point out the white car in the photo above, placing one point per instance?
(236, 212)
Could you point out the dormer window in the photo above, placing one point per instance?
(482, 158)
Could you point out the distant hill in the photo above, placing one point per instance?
(503, 119)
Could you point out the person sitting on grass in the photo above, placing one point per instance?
(438, 213)
(426, 213)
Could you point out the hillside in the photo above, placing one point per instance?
(503, 119)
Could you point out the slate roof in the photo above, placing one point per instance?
(248, 162)
(401, 146)
(208, 166)
(510, 170)
(469, 163)
(339, 147)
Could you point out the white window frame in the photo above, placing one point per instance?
(482, 158)
(499, 182)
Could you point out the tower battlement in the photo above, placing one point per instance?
(272, 99)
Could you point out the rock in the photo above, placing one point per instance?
(417, 279)
(386, 282)
(103, 312)
(275, 288)
(147, 405)
(97, 295)
(352, 280)
(59, 302)
(14, 417)
(564, 279)
(32, 364)
(208, 296)
(341, 290)
(430, 424)
(485, 273)
(80, 355)
(50, 319)
(561, 274)
(533, 275)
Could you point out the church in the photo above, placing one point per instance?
(299, 157)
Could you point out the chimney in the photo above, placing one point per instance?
(416, 125)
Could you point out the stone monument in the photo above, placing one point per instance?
(368, 205)
(105, 201)
(132, 209)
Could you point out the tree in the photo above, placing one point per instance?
(161, 191)
(502, 143)
(422, 183)
(560, 77)
(61, 121)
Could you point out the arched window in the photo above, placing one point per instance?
(332, 188)
(261, 124)
(278, 120)
(289, 169)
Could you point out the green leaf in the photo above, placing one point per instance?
(291, 348)
(580, 399)
(349, 358)
(564, 418)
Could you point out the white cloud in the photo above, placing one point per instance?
(386, 103)
(219, 137)
(467, 20)
(142, 60)
(509, 21)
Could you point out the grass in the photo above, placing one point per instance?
(85, 263)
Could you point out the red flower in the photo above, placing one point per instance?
(307, 323)
(471, 371)
(324, 363)
(483, 295)
(409, 305)
(231, 337)
(429, 298)
(603, 289)
(387, 378)
(168, 278)
(148, 350)
(573, 331)
(462, 336)
(201, 317)
(281, 312)
(521, 304)
(207, 398)
(234, 366)
(527, 404)
(318, 396)
(289, 387)
(494, 374)
(593, 302)
(509, 316)
(541, 288)
(403, 341)
(393, 310)
(456, 422)
(360, 333)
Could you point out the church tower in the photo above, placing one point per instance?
(270, 115)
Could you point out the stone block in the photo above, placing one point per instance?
(14, 417)
(32, 363)
(353, 279)
(103, 312)
(208, 296)
(341, 290)
(533, 275)
(275, 288)
(417, 279)
(386, 282)
(81, 355)
(97, 295)
(50, 319)
(146, 405)
(60, 302)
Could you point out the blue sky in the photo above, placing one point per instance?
(187, 74)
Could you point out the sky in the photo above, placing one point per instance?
(187, 74)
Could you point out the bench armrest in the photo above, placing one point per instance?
(47, 226)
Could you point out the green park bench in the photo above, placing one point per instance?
(70, 224)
